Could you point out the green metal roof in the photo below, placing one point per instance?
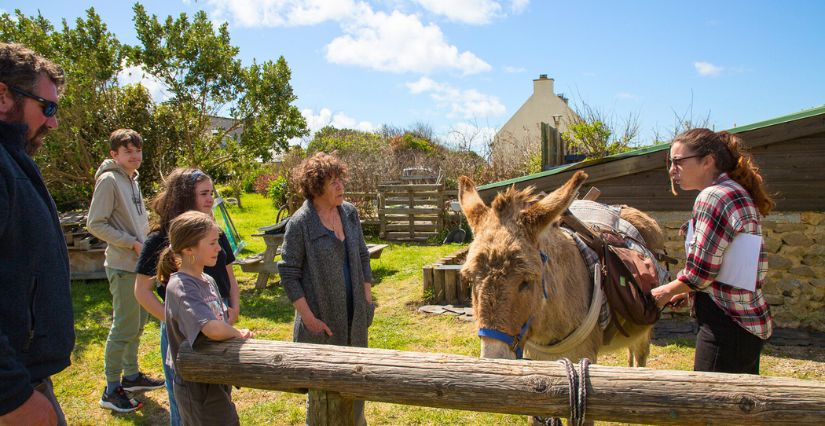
(653, 148)
(805, 113)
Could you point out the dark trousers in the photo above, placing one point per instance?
(205, 403)
(722, 345)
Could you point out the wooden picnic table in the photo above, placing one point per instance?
(264, 264)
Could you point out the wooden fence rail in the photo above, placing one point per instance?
(633, 395)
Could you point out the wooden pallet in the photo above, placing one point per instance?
(86, 252)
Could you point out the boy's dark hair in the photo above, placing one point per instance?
(124, 137)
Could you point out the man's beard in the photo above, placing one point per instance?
(31, 144)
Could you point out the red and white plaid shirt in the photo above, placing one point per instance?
(722, 211)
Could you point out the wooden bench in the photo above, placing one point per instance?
(264, 263)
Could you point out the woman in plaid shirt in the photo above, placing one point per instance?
(733, 322)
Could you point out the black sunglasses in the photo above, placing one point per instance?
(677, 161)
(49, 107)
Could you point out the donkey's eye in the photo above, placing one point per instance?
(523, 286)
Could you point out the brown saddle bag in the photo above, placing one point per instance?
(628, 276)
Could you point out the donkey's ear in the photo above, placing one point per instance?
(471, 203)
(549, 208)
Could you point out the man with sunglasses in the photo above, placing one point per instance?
(36, 319)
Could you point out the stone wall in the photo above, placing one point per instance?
(795, 242)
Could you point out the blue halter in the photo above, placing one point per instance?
(515, 343)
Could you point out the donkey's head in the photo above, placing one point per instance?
(504, 265)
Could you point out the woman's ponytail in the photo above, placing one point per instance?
(185, 231)
(168, 264)
(746, 173)
(732, 158)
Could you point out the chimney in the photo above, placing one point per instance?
(543, 86)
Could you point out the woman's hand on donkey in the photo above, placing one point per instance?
(669, 292)
(678, 302)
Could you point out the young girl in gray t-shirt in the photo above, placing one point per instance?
(193, 308)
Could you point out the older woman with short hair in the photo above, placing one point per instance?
(325, 265)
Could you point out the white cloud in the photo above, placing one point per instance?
(467, 11)
(282, 13)
(399, 43)
(707, 69)
(394, 41)
(478, 12)
(339, 120)
(461, 103)
(626, 96)
(136, 75)
(518, 6)
(514, 70)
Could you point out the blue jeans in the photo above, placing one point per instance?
(169, 376)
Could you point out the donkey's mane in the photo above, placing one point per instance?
(512, 201)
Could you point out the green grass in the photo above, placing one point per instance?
(397, 326)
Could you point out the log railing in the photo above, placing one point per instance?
(631, 395)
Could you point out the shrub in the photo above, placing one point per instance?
(262, 183)
(278, 191)
(408, 141)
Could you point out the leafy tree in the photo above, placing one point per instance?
(90, 56)
(200, 69)
(596, 134)
(265, 110)
(199, 66)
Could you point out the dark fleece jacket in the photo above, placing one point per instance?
(36, 319)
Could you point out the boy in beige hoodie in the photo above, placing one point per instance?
(118, 216)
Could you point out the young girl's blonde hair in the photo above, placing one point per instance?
(185, 231)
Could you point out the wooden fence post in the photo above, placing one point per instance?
(438, 285)
(450, 290)
(427, 281)
(382, 219)
(329, 409)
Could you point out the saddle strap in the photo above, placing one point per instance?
(582, 332)
(585, 232)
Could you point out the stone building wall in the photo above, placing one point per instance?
(795, 244)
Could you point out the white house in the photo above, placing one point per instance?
(521, 135)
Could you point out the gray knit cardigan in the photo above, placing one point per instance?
(312, 266)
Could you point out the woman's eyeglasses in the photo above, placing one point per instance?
(678, 161)
(49, 107)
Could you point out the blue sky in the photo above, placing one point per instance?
(468, 65)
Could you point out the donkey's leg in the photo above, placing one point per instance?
(640, 350)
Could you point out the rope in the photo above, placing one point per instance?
(577, 389)
(573, 387)
(581, 400)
